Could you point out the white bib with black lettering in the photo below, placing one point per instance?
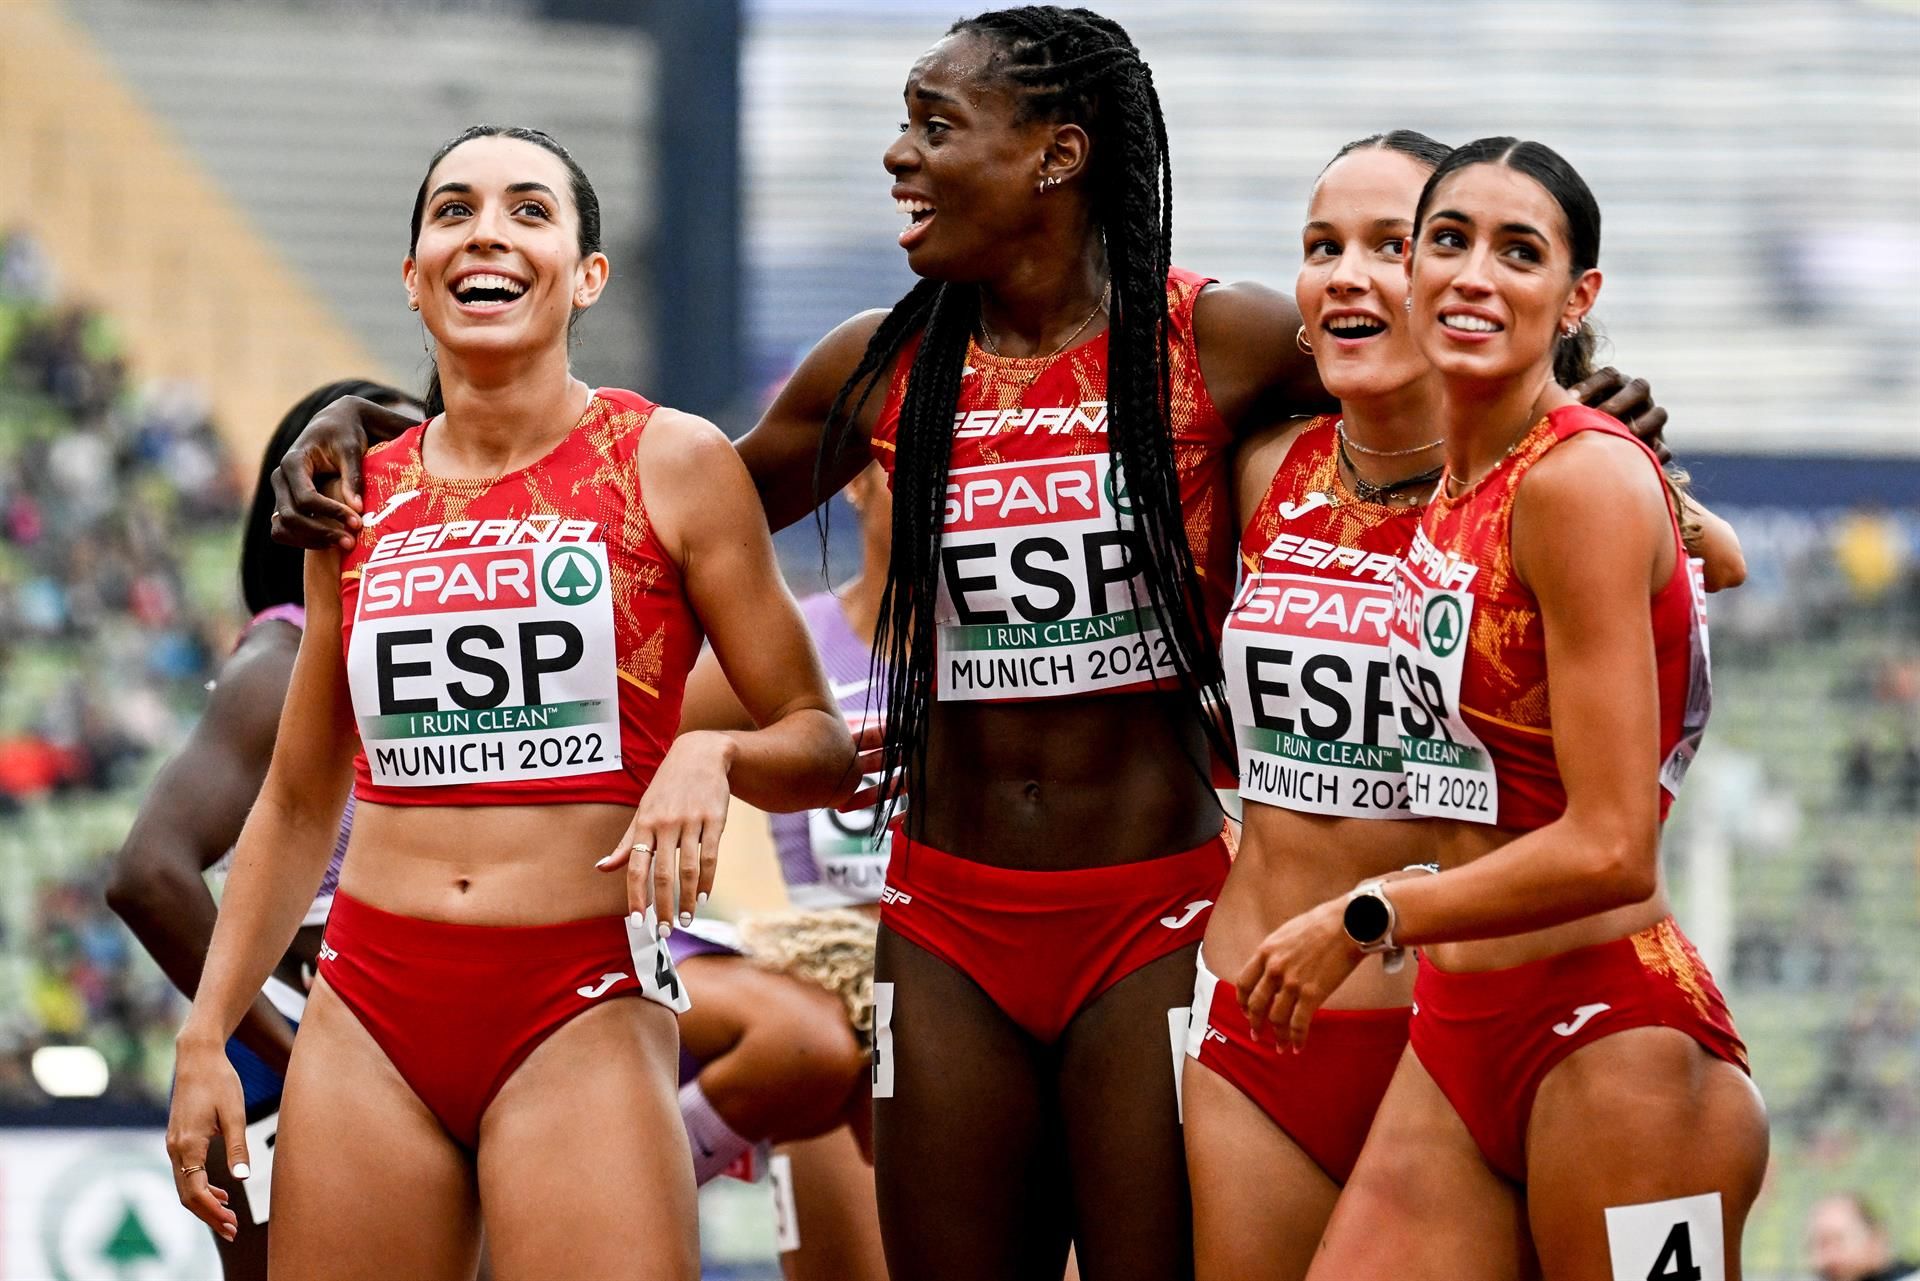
(1040, 592)
(486, 664)
(1448, 770)
(1310, 682)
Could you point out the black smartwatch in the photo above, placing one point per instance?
(1369, 919)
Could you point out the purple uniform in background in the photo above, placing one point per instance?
(829, 859)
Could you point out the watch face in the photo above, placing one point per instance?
(1366, 918)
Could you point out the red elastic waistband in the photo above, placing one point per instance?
(963, 881)
(353, 920)
(1490, 993)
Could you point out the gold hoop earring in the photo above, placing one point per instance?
(1301, 341)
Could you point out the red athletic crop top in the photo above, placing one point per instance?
(1470, 659)
(1309, 679)
(1038, 558)
(522, 640)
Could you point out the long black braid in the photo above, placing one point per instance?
(1067, 64)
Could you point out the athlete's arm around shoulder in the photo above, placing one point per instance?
(1254, 369)
(710, 522)
(1593, 540)
(781, 449)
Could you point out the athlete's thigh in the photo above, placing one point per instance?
(366, 1183)
(1117, 1092)
(1422, 1205)
(834, 1212)
(1634, 1119)
(1259, 1202)
(585, 1171)
(967, 1147)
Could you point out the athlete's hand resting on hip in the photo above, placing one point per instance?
(675, 834)
(1294, 970)
(207, 1100)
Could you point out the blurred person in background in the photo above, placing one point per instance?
(468, 1049)
(1575, 1092)
(194, 811)
(777, 1050)
(1847, 1240)
(828, 859)
(1328, 507)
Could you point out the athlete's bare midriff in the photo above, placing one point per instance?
(487, 865)
(1456, 844)
(1289, 863)
(1055, 784)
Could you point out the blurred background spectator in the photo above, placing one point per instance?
(1847, 1241)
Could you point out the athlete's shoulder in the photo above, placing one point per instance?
(1246, 307)
(1261, 456)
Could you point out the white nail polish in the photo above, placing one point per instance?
(701, 898)
(666, 931)
(686, 918)
(241, 1170)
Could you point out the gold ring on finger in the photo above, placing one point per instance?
(192, 1169)
(642, 850)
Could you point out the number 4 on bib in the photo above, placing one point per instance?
(1677, 1240)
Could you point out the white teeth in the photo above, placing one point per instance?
(1472, 324)
(490, 281)
(908, 208)
(1341, 323)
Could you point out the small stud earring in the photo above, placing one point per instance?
(413, 304)
(1049, 182)
(1571, 328)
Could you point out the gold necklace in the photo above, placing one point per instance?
(1451, 481)
(1100, 305)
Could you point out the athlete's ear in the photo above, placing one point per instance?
(410, 276)
(590, 280)
(1586, 292)
(1066, 155)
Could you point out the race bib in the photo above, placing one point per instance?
(1448, 771)
(486, 664)
(852, 869)
(1310, 681)
(1041, 593)
(1693, 722)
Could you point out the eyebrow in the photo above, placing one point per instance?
(513, 189)
(933, 95)
(1511, 228)
(1379, 224)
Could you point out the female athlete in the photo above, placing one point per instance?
(1327, 508)
(1574, 1085)
(507, 652)
(193, 814)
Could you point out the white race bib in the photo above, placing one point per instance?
(1448, 770)
(1693, 722)
(486, 664)
(1039, 582)
(852, 870)
(1310, 682)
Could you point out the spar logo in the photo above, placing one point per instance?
(1117, 496)
(571, 576)
(1008, 495)
(1441, 624)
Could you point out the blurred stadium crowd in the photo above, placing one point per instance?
(118, 510)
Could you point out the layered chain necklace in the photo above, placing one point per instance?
(1100, 305)
(1369, 492)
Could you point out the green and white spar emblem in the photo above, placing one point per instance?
(571, 576)
(1441, 623)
